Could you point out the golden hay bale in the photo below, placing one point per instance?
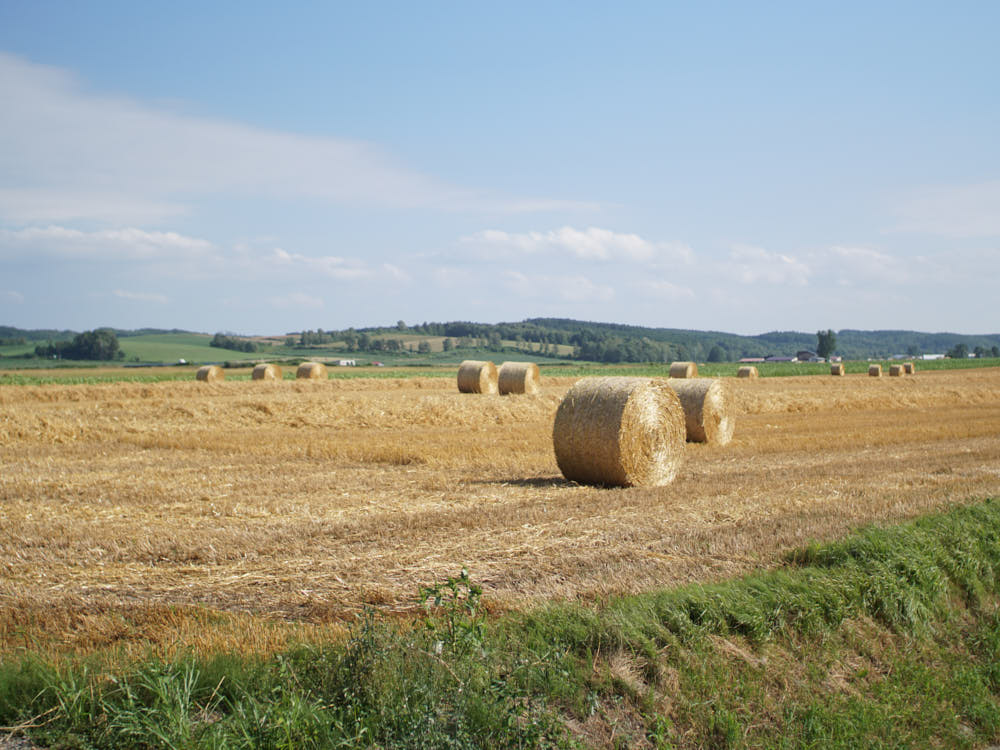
(706, 411)
(477, 377)
(908, 368)
(311, 371)
(518, 377)
(619, 431)
(837, 368)
(684, 370)
(266, 371)
(875, 371)
(896, 371)
(210, 374)
(748, 371)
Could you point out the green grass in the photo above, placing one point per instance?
(169, 347)
(890, 638)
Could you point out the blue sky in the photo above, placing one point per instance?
(732, 166)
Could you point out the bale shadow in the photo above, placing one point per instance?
(528, 482)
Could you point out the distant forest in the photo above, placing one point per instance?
(600, 342)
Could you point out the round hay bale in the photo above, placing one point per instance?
(475, 376)
(266, 371)
(619, 432)
(311, 371)
(748, 371)
(518, 377)
(896, 371)
(211, 374)
(706, 413)
(684, 370)
(875, 371)
(909, 368)
(837, 368)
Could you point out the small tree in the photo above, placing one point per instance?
(424, 347)
(826, 343)
(995, 351)
(716, 354)
(959, 351)
(447, 345)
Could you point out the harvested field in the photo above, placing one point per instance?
(127, 510)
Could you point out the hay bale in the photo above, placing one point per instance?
(211, 374)
(875, 371)
(266, 371)
(619, 431)
(837, 368)
(706, 414)
(748, 371)
(684, 370)
(909, 368)
(311, 371)
(896, 371)
(518, 377)
(475, 376)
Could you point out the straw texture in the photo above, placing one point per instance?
(518, 377)
(896, 371)
(748, 371)
(909, 368)
(475, 376)
(875, 371)
(211, 374)
(837, 368)
(684, 370)
(311, 371)
(266, 371)
(707, 414)
(619, 431)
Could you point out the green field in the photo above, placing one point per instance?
(890, 638)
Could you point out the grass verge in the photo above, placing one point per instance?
(890, 638)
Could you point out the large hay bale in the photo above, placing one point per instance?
(896, 371)
(475, 376)
(875, 371)
(684, 370)
(909, 368)
(619, 431)
(706, 413)
(747, 371)
(837, 368)
(211, 374)
(266, 371)
(311, 371)
(518, 377)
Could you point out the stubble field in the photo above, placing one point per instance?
(185, 514)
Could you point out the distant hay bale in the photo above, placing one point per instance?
(684, 370)
(311, 371)
(837, 368)
(619, 431)
(706, 411)
(211, 374)
(266, 371)
(896, 371)
(518, 377)
(475, 376)
(875, 371)
(749, 371)
(909, 368)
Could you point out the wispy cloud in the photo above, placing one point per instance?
(951, 210)
(297, 301)
(160, 299)
(574, 288)
(67, 153)
(332, 266)
(591, 244)
(755, 265)
(11, 296)
(103, 245)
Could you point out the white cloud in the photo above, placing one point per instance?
(325, 265)
(68, 154)
(110, 244)
(667, 290)
(11, 296)
(297, 301)
(951, 210)
(754, 265)
(592, 243)
(564, 288)
(853, 264)
(161, 299)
